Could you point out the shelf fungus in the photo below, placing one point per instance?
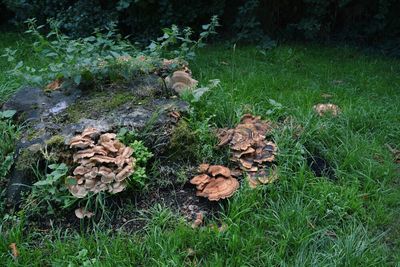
(265, 175)
(104, 163)
(251, 151)
(180, 81)
(323, 109)
(214, 182)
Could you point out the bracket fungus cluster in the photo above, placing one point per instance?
(104, 163)
(180, 81)
(323, 109)
(214, 182)
(250, 149)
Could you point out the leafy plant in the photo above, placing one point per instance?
(8, 135)
(140, 153)
(50, 191)
(79, 60)
(177, 43)
(104, 57)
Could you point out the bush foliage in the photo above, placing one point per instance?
(357, 20)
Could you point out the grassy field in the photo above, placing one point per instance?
(300, 220)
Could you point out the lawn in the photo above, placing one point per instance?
(351, 219)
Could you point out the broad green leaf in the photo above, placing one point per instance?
(7, 114)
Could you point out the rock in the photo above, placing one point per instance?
(33, 103)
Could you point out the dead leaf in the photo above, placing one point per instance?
(327, 96)
(190, 252)
(198, 221)
(223, 228)
(14, 250)
(54, 85)
(395, 152)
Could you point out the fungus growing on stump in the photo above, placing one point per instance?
(180, 81)
(250, 149)
(104, 163)
(214, 182)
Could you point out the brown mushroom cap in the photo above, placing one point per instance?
(103, 159)
(179, 81)
(117, 187)
(216, 170)
(78, 191)
(264, 176)
(81, 213)
(124, 173)
(220, 188)
(225, 136)
(265, 153)
(90, 132)
(81, 170)
(200, 181)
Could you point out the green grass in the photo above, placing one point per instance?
(300, 220)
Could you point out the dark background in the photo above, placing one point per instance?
(372, 23)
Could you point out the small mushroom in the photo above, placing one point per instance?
(90, 132)
(225, 136)
(180, 81)
(198, 221)
(78, 191)
(103, 159)
(80, 142)
(124, 173)
(90, 183)
(127, 152)
(323, 109)
(117, 187)
(81, 213)
(92, 173)
(87, 153)
(264, 176)
(81, 170)
(200, 181)
(54, 85)
(203, 168)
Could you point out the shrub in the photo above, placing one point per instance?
(103, 57)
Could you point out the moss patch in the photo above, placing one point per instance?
(28, 157)
(98, 103)
(55, 141)
(184, 142)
